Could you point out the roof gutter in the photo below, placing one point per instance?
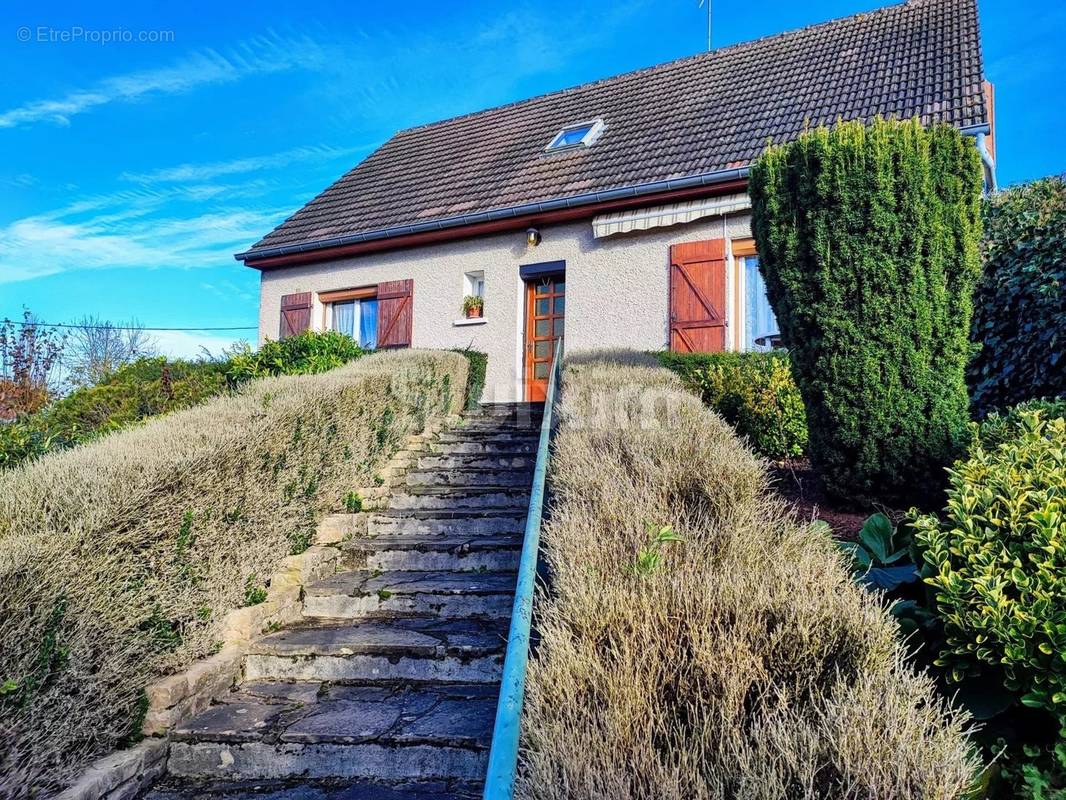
(590, 198)
(989, 162)
(980, 132)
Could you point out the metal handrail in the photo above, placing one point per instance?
(503, 756)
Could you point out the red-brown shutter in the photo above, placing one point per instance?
(697, 297)
(395, 313)
(295, 314)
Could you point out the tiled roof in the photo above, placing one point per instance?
(698, 115)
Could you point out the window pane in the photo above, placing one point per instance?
(576, 135)
(541, 307)
(558, 327)
(542, 288)
(758, 316)
(560, 287)
(571, 136)
(542, 349)
(541, 329)
(344, 318)
(540, 369)
(560, 305)
(368, 324)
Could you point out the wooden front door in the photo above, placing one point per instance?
(697, 297)
(545, 310)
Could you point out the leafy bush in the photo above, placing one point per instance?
(697, 642)
(306, 353)
(109, 553)
(19, 442)
(997, 427)
(882, 556)
(996, 564)
(475, 387)
(754, 392)
(1020, 305)
(999, 561)
(142, 389)
(869, 242)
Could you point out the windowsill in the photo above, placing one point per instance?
(470, 321)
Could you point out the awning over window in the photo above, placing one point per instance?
(640, 219)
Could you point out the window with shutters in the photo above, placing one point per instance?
(353, 312)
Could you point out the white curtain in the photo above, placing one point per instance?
(759, 317)
(346, 318)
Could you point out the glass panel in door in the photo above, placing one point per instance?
(545, 307)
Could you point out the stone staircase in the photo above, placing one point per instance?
(387, 688)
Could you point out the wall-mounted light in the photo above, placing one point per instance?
(532, 237)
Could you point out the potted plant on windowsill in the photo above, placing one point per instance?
(473, 306)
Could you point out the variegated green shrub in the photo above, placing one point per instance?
(999, 562)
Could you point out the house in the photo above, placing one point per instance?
(616, 210)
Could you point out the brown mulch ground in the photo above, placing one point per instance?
(797, 483)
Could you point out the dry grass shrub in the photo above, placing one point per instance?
(748, 664)
(119, 558)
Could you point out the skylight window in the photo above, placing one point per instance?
(580, 135)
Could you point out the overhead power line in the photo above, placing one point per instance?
(124, 327)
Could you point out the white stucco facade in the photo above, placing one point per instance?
(616, 289)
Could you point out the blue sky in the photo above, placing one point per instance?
(130, 171)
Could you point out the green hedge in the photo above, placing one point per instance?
(754, 392)
(1019, 318)
(869, 238)
(475, 386)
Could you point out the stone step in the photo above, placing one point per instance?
(491, 436)
(191, 789)
(508, 410)
(422, 650)
(361, 594)
(316, 731)
(447, 522)
(516, 460)
(428, 552)
(480, 498)
(489, 424)
(458, 446)
(463, 477)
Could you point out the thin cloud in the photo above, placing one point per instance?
(258, 56)
(209, 171)
(130, 233)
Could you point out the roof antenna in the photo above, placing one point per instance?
(708, 2)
